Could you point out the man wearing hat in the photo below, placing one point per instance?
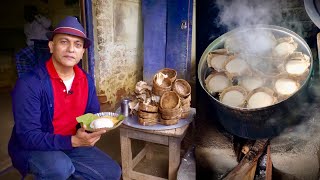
(45, 141)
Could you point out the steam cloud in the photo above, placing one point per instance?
(244, 13)
(238, 13)
(235, 13)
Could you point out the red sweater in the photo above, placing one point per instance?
(68, 106)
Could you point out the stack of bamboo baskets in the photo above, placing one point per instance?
(174, 100)
(183, 89)
(148, 114)
(170, 108)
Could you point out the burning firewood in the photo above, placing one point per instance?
(247, 166)
(245, 149)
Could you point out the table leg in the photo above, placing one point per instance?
(174, 157)
(126, 154)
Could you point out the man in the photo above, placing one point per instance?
(45, 141)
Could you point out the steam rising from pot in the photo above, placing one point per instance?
(236, 13)
(256, 46)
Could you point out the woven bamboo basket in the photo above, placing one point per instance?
(147, 121)
(170, 100)
(181, 87)
(148, 115)
(170, 113)
(185, 114)
(169, 122)
(165, 86)
(185, 100)
(148, 107)
(268, 91)
(171, 73)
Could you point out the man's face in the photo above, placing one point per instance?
(66, 50)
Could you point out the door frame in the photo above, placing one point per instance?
(87, 19)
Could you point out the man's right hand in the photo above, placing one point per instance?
(82, 138)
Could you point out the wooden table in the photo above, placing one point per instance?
(171, 138)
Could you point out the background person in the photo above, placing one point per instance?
(36, 25)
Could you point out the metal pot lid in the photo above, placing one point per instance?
(313, 10)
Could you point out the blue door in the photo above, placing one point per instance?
(167, 37)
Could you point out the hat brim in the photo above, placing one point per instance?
(87, 41)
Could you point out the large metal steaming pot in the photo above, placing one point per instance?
(262, 122)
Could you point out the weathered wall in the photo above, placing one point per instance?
(118, 49)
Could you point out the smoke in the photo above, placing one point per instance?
(235, 13)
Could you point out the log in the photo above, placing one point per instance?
(269, 164)
(247, 166)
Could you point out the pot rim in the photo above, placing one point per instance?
(202, 66)
(312, 10)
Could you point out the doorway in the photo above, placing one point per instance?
(13, 39)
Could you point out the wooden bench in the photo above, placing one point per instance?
(171, 138)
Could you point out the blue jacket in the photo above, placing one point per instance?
(32, 105)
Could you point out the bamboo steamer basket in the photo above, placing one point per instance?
(185, 109)
(170, 112)
(188, 104)
(216, 59)
(234, 88)
(170, 100)
(185, 114)
(148, 115)
(148, 107)
(159, 90)
(294, 81)
(266, 90)
(231, 74)
(169, 122)
(171, 73)
(147, 122)
(251, 82)
(303, 60)
(171, 116)
(166, 83)
(215, 78)
(181, 87)
(185, 100)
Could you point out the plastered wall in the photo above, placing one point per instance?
(118, 49)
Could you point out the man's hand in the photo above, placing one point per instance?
(82, 138)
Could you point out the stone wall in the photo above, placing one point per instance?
(295, 18)
(118, 49)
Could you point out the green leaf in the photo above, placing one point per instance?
(121, 117)
(86, 119)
